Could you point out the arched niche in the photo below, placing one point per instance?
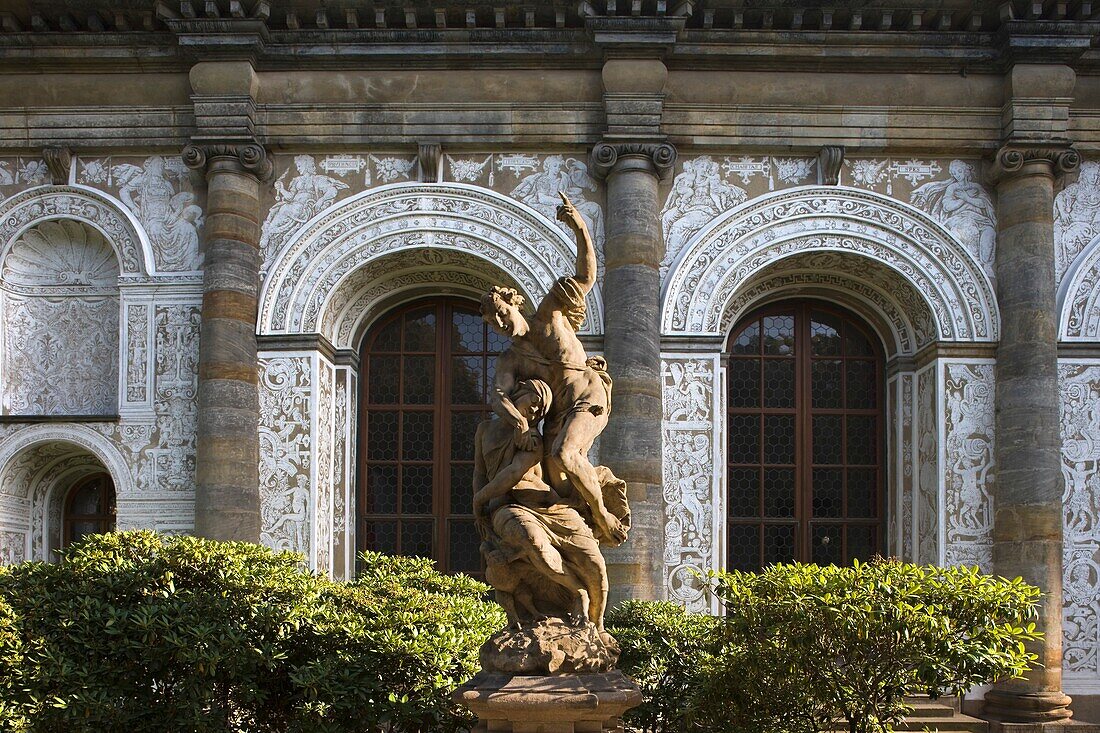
(507, 236)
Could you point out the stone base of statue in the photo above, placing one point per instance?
(564, 703)
(549, 676)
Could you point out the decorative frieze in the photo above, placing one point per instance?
(968, 390)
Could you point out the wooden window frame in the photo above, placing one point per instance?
(107, 498)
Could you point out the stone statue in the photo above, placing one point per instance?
(542, 508)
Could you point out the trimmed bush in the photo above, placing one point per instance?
(804, 648)
(139, 632)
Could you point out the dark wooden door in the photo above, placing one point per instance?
(804, 437)
(426, 370)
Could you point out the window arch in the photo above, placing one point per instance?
(805, 474)
(426, 372)
(89, 508)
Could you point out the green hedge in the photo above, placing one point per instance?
(139, 632)
(804, 648)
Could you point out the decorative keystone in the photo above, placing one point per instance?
(429, 155)
(829, 160)
(58, 161)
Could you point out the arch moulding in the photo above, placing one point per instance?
(77, 435)
(78, 203)
(499, 233)
(1079, 297)
(700, 295)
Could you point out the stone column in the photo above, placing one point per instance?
(1027, 532)
(227, 498)
(631, 443)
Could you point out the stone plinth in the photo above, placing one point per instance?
(568, 703)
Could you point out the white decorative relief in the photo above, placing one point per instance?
(964, 208)
(286, 459)
(1076, 217)
(25, 172)
(693, 455)
(324, 480)
(67, 256)
(865, 225)
(138, 375)
(307, 195)
(698, 196)
(60, 355)
(343, 508)
(968, 444)
(13, 547)
(175, 401)
(539, 190)
(454, 217)
(907, 471)
(1080, 426)
(929, 475)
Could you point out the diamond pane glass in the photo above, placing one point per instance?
(862, 493)
(825, 384)
(388, 337)
(744, 438)
(467, 380)
(744, 382)
(382, 384)
(827, 437)
(420, 330)
(417, 436)
(744, 492)
(465, 546)
(382, 435)
(779, 382)
(743, 547)
(825, 334)
(467, 333)
(418, 380)
(380, 536)
(416, 489)
(778, 439)
(826, 544)
(417, 538)
(779, 335)
(862, 389)
(779, 492)
(828, 492)
(381, 493)
(862, 439)
(779, 543)
(748, 341)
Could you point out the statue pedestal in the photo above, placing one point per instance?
(567, 703)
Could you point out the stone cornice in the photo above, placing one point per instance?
(607, 156)
(1020, 158)
(248, 157)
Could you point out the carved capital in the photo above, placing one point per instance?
(58, 161)
(1015, 159)
(606, 157)
(249, 157)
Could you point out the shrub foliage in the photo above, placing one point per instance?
(140, 632)
(803, 648)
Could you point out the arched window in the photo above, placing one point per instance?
(805, 470)
(426, 372)
(89, 508)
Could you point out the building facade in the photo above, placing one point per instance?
(849, 288)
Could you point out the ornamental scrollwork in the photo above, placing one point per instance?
(969, 459)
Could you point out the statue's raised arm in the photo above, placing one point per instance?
(586, 251)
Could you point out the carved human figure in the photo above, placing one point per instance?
(540, 555)
(547, 348)
(1076, 216)
(170, 217)
(964, 208)
(308, 194)
(698, 195)
(540, 191)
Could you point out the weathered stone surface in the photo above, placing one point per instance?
(549, 647)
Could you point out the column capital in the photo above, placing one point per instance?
(608, 157)
(248, 157)
(1024, 158)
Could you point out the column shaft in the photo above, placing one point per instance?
(1028, 495)
(227, 499)
(631, 443)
